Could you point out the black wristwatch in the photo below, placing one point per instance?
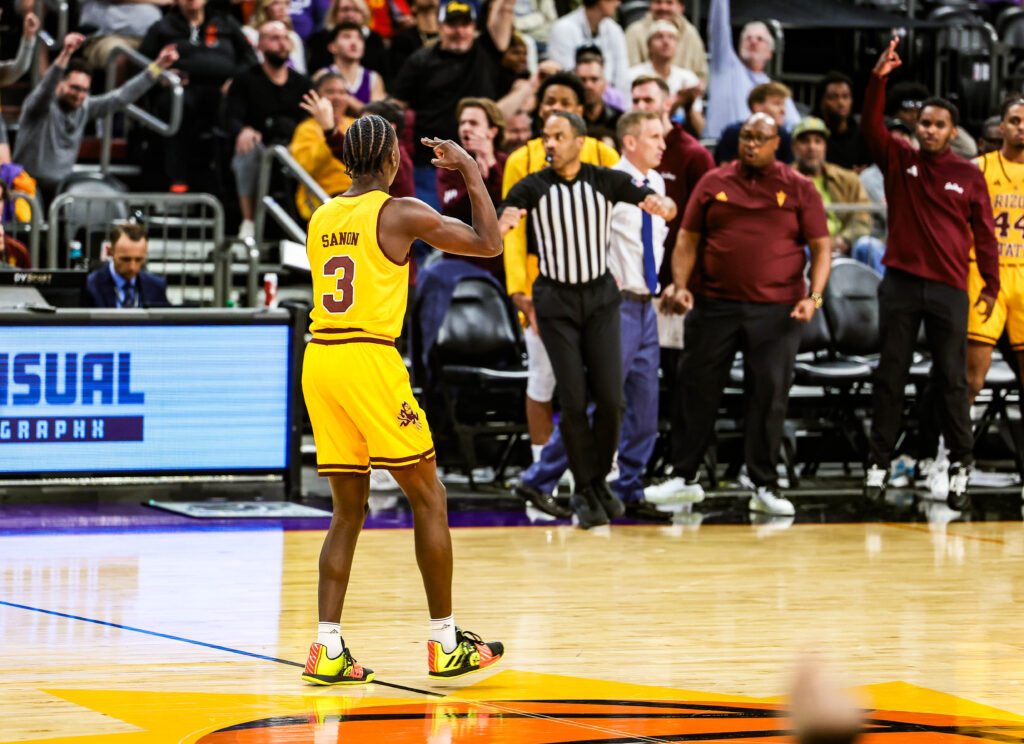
(817, 298)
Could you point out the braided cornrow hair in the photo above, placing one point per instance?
(367, 142)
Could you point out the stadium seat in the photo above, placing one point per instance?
(479, 371)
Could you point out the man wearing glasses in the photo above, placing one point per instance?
(54, 115)
(744, 293)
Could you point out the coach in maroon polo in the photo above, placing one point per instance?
(741, 250)
(938, 205)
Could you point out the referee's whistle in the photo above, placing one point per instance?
(548, 157)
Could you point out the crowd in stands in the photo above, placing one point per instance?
(504, 78)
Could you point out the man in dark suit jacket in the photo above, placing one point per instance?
(121, 282)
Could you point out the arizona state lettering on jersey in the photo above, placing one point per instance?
(1006, 188)
(355, 285)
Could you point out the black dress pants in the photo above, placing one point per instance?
(904, 302)
(769, 339)
(579, 325)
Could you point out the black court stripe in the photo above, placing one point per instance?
(198, 643)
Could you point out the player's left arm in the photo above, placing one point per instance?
(986, 247)
(409, 219)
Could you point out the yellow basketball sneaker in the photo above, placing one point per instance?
(471, 654)
(344, 670)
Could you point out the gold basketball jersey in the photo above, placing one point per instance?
(355, 286)
(1006, 190)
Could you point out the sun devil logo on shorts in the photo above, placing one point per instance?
(408, 416)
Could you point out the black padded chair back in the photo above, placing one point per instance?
(851, 307)
(479, 329)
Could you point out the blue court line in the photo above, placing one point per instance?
(195, 643)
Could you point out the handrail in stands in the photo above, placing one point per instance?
(264, 203)
(221, 254)
(166, 128)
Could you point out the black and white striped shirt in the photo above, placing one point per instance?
(569, 222)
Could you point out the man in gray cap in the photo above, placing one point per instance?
(850, 231)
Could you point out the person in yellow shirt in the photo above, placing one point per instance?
(357, 391)
(326, 105)
(1004, 173)
(562, 91)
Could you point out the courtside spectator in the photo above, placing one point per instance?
(404, 183)
(734, 74)
(846, 146)
(326, 106)
(850, 231)
(690, 52)
(481, 131)
(662, 44)
(375, 57)
(116, 24)
(748, 295)
(307, 16)
(276, 10)
(601, 117)
(534, 18)
(517, 131)
(459, 66)
(11, 70)
(423, 32)
(769, 98)
(121, 282)
(54, 115)
(592, 23)
(364, 85)
(211, 51)
(263, 107)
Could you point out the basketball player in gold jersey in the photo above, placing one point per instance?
(1004, 173)
(357, 388)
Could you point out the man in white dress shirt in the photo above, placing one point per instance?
(634, 255)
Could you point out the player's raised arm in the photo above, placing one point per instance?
(449, 234)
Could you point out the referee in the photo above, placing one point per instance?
(569, 208)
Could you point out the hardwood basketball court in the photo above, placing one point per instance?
(621, 634)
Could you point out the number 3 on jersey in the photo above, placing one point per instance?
(341, 300)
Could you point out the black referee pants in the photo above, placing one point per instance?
(769, 339)
(904, 302)
(579, 325)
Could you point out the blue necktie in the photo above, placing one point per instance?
(129, 295)
(647, 236)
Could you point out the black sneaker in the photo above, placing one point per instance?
(642, 511)
(958, 499)
(588, 508)
(545, 502)
(611, 503)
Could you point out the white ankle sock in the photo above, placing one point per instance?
(536, 449)
(328, 635)
(442, 630)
